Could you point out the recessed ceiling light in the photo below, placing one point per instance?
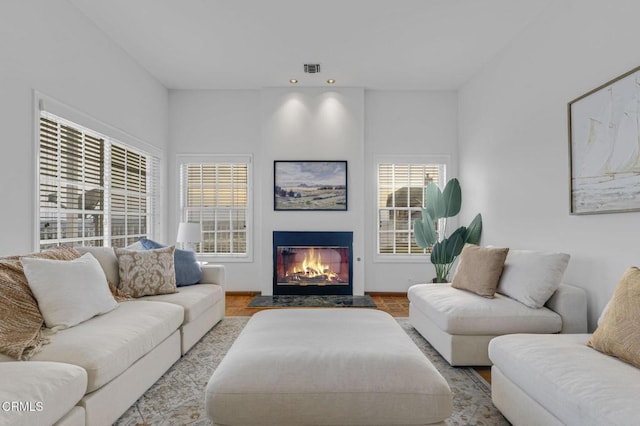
(293, 81)
(331, 81)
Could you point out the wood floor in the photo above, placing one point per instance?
(396, 305)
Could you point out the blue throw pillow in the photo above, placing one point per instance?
(188, 270)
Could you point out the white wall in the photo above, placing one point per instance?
(313, 124)
(513, 140)
(409, 123)
(298, 124)
(218, 122)
(47, 45)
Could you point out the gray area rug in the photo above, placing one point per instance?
(177, 398)
(330, 301)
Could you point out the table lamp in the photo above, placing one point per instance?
(189, 234)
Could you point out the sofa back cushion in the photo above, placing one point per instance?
(531, 277)
(479, 269)
(618, 333)
(108, 261)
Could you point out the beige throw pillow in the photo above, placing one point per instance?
(479, 269)
(619, 332)
(148, 272)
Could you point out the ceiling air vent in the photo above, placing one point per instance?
(311, 68)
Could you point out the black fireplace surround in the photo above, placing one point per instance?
(312, 263)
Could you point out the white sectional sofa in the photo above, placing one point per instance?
(559, 380)
(122, 353)
(523, 294)
(460, 324)
(574, 379)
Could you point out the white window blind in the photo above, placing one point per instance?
(400, 200)
(217, 194)
(92, 190)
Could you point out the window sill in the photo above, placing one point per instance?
(213, 259)
(399, 258)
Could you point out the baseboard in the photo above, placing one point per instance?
(242, 293)
(386, 293)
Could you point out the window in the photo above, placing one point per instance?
(217, 194)
(92, 190)
(400, 200)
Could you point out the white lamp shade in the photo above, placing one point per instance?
(189, 233)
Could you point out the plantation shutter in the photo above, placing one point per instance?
(400, 201)
(216, 195)
(92, 190)
(71, 185)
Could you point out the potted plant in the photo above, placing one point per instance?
(440, 205)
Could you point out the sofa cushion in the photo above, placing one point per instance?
(50, 389)
(572, 381)
(188, 270)
(618, 333)
(107, 345)
(195, 299)
(108, 260)
(531, 277)
(68, 291)
(479, 269)
(21, 332)
(146, 272)
(461, 312)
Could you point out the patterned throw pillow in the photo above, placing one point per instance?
(188, 270)
(619, 331)
(146, 272)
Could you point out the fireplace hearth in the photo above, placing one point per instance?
(312, 263)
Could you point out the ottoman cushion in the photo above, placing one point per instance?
(326, 366)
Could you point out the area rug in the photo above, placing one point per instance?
(177, 398)
(330, 301)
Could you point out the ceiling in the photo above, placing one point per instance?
(249, 44)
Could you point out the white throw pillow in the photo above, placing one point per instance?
(531, 277)
(68, 291)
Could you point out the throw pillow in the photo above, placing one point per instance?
(619, 332)
(479, 269)
(531, 277)
(146, 272)
(21, 332)
(68, 291)
(188, 270)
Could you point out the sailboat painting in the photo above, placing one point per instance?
(604, 147)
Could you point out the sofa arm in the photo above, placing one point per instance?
(571, 303)
(212, 274)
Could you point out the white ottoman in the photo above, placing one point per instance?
(326, 367)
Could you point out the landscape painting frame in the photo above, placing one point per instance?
(604, 147)
(312, 185)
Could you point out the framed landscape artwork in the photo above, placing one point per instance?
(604, 147)
(310, 185)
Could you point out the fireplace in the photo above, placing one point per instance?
(312, 263)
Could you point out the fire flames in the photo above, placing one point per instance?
(312, 268)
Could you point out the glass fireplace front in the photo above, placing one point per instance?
(312, 263)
